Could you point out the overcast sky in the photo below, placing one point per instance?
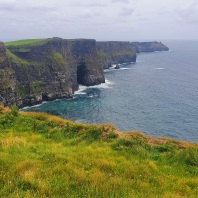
(127, 20)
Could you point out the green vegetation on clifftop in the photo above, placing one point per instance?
(46, 156)
(28, 42)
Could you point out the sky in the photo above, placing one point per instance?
(121, 20)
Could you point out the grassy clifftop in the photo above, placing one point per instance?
(27, 42)
(46, 156)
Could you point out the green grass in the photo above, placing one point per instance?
(36, 87)
(28, 42)
(56, 58)
(16, 59)
(102, 54)
(46, 156)
(123, 53)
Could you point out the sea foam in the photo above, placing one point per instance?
(38, 105)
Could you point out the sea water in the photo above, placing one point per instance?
(157, 95)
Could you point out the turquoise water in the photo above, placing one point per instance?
(158, 95)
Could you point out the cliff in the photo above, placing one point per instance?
(32, 71)
(115, 52)
(7, 78)
(36, 70)
(154, 46)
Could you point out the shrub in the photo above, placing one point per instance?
(168, 147)
(189, 157)
(14, 110)
(94, 133)
(122, 144)
(112, 135)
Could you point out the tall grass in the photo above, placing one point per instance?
(46, 156)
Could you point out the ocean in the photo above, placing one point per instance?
(157, 95)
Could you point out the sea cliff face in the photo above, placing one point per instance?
(115, 52)
(32, 71)
(7, 79)
(47, 70)
(154, 46)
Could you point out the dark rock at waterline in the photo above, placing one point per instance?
(117, 66)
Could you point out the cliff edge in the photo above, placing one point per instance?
(33, 71)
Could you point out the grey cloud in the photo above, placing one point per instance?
(120, 1)
(57, 17)
(86, 4)
(86, 14)
(127, 11)
(7, 6)
(189, 14)
(24, 7)
(98, 19)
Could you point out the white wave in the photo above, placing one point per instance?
(27, 107)
(160, 68)
(105, 85)
(24, 108)
(106, 70)
(109, 69)
(81, 90)
(124, 68)
(108, 82)
(72, 98)
(139, 61)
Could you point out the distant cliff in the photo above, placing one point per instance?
(115, 52)
(154, 46)
(31, 72)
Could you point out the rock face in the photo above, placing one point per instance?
(7, 78)
(52, 69)
(154, 46)
(115, 52)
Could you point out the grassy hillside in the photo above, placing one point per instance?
(46, 156)
(16, 59)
